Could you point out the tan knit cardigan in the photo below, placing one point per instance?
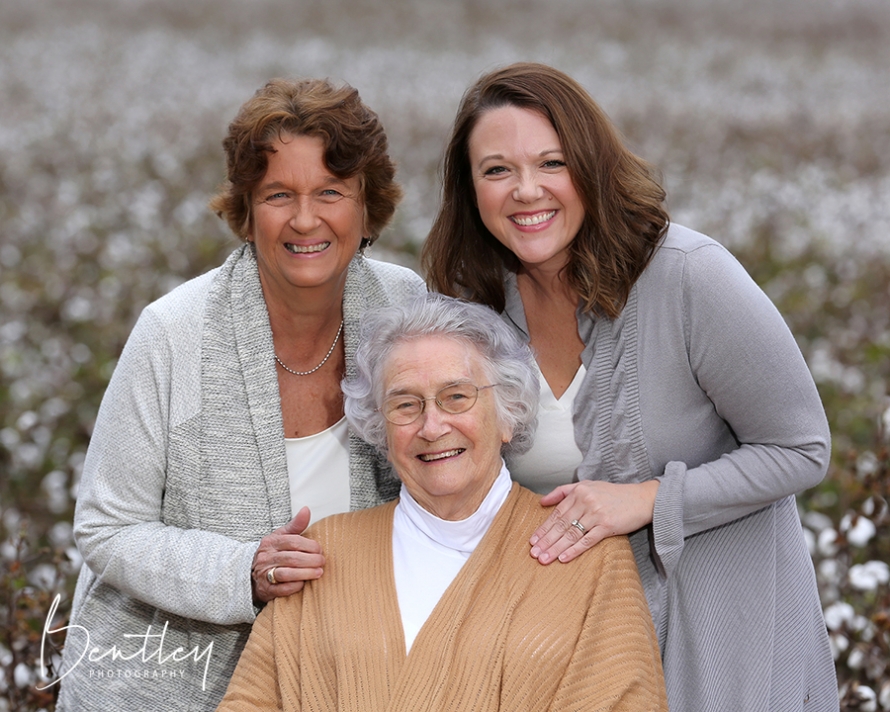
(508, 634)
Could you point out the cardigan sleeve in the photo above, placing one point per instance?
(118, 523)
(746, 361)
(255, 685)
(616, 663)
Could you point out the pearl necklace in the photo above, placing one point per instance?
(323, 361)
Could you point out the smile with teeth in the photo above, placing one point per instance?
(529, 220)
(440, 455)
(303, 249)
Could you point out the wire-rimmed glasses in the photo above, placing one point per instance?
(405, 408)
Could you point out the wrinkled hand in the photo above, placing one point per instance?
(294, 558)
(603, 508)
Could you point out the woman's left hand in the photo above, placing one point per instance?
(603, 508)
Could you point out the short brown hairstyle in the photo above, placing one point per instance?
(354, 139)
(623, 201)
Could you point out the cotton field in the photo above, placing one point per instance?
(769, 121)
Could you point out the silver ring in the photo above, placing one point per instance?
(270, 576)
(580, 527)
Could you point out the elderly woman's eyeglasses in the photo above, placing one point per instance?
(405, 409)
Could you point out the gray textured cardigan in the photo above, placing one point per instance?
(185, 473)
(699, 383)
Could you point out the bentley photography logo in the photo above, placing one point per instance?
(159, 661)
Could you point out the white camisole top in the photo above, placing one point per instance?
(554, 458)
(318, 471)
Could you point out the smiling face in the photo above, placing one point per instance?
(524, 192)
(307, 224)
(447, 462)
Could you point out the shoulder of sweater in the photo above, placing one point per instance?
(685, 251)
(680, 240)
(184, 305)
(528, 503)
(339, 526)
(610, 563)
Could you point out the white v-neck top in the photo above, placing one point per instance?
(554, 458)
(428, 552)
(318, 471)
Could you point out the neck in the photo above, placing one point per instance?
(454, 508)
(546, 285)
(306, 313)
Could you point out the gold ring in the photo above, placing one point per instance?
(580, 527)
(270, 576)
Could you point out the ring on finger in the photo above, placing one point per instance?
(580, 527)
(270, 576)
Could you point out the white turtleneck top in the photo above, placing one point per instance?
(428, 552)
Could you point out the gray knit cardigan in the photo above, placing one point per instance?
(700, 384)
(185, 473)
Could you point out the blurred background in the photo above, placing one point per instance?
(769, 120)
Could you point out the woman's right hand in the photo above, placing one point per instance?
(294, 559)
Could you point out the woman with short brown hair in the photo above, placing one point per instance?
(223, 424)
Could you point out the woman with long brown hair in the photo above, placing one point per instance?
(676, 407)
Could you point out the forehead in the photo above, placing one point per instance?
(431, 362)
(301, 156)
(514, 125)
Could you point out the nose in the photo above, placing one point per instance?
(528, 187)
(434, 422)
(304, 216)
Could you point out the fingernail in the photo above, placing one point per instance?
(535, 551)
(534, 539)
(563, 557)
(544, 558)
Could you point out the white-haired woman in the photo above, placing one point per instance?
(437, 604)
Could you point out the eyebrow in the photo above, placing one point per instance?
(407, 392)
(275, 184)
(500, 157)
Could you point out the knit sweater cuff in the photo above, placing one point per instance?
(667, 519)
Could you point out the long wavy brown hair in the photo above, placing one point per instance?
(623, 201)
(354, 139)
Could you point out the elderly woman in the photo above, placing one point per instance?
(676, 405)
(435, 603)
(224, 418)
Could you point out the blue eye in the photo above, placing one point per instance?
(454, 397)
(406, 404)
(554, 164)
(494, 171)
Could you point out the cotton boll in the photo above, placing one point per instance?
(868, 576)
(827, 542)
(861, 532)
(43, 576)
(837, 614)
(856, 659)
(866, 464)
(23, 675)
(74, 557)
(884, 696)
(868, 700)
(817, 521)
(829, 570)
(810, 540)
(838, 644)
